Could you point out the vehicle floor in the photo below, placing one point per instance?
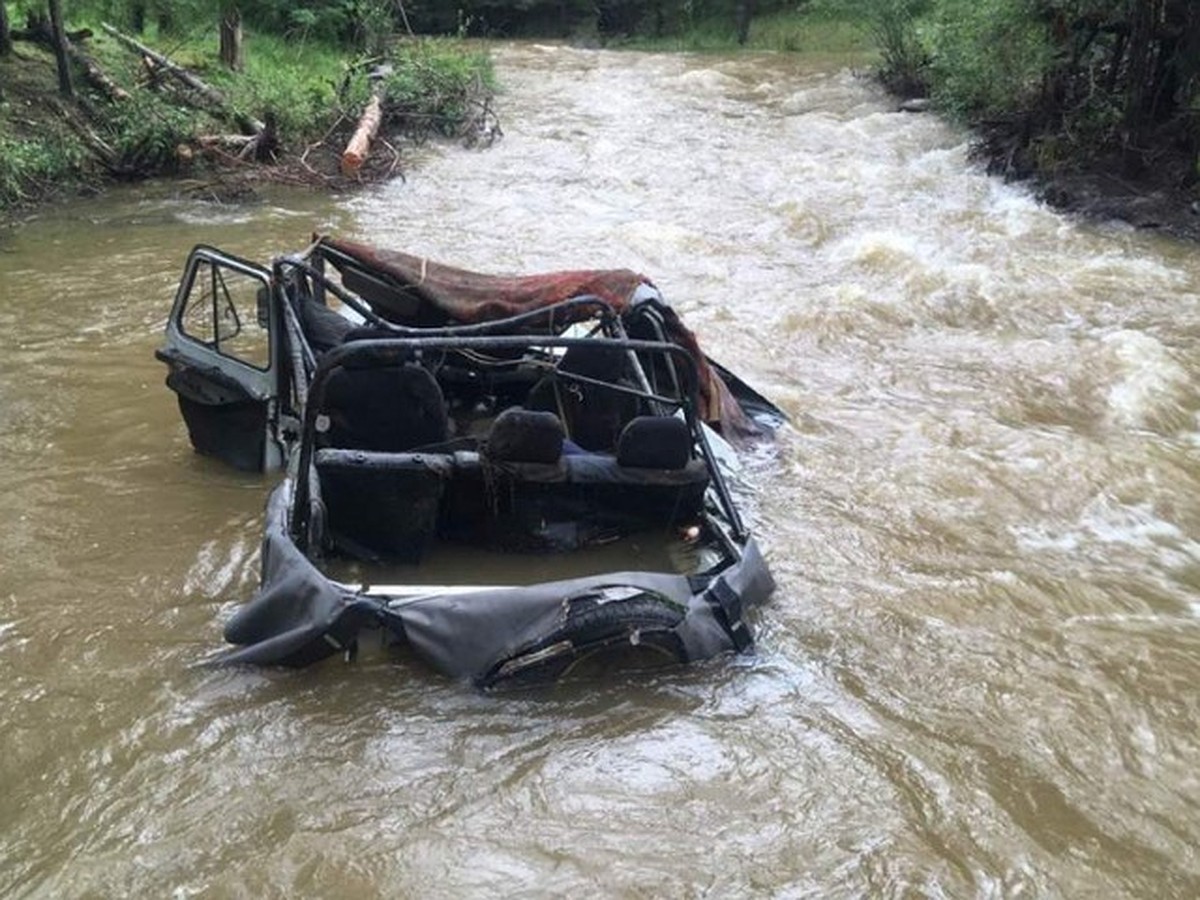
(457, 564)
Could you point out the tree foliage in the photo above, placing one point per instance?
(1076, 78)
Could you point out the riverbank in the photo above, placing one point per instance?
(313, 96)
(1091, 186)
(1156, 199)
(1098, 108)
(287, 117)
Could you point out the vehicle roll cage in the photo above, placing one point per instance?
(392, 351)
(609, 321)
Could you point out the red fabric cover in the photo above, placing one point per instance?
(472, 297)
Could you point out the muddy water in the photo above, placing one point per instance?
(979, 676)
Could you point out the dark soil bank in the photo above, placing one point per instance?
(1142, 203)
(1163, 196)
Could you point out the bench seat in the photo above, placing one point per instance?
(394, 504)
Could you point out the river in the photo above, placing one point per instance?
(979, 677)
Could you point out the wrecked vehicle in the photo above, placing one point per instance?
(435, 425)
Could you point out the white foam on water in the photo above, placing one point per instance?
(1150, 387)
(1123, 267)
(5, 629)
(1107, 528)
(708, 80)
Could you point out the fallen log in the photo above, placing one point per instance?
(241, 147)
(37, 31)
(359, 147)
(225, 141)
(209, 94)
(96, 76)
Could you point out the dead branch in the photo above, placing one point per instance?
(210, 95)
(230, 141)
(99, 148)
(395, 159)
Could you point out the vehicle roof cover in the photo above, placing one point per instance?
(474, 297)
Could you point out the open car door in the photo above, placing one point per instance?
(225, 360)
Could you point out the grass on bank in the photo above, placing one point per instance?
(304, 87)
(36, 148)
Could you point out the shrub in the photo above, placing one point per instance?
(146, 132)
(294, 83)
(905, 61)
(32, 167)
(988, 57)
(433, 82)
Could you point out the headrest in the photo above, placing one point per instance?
(525, 435)
(655, 442)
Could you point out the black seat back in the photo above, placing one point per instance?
(383, 505)
(323, 327)
(385, 408)
(593, 414)
(655, 442)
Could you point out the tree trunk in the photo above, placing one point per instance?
(745, 12)
(166, 19)
(1189, 76)
(5, 34)
(60, 50)
(231, 40)
(1139, 91)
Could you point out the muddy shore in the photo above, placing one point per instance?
(1161, 197)
(1104, 197)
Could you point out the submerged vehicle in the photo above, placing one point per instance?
(508, 476)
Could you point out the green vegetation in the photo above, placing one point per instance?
(1053, 84)
(985, 55)
(809, 29)
(905, 60)
(308, 81)
(429, 87)
(295, 82)
(435, 83)
(1058, 85)
(26, 163)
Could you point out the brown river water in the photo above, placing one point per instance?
(980, 675)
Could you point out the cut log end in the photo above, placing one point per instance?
(359, 147)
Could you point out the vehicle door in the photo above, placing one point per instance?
(223, 350)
